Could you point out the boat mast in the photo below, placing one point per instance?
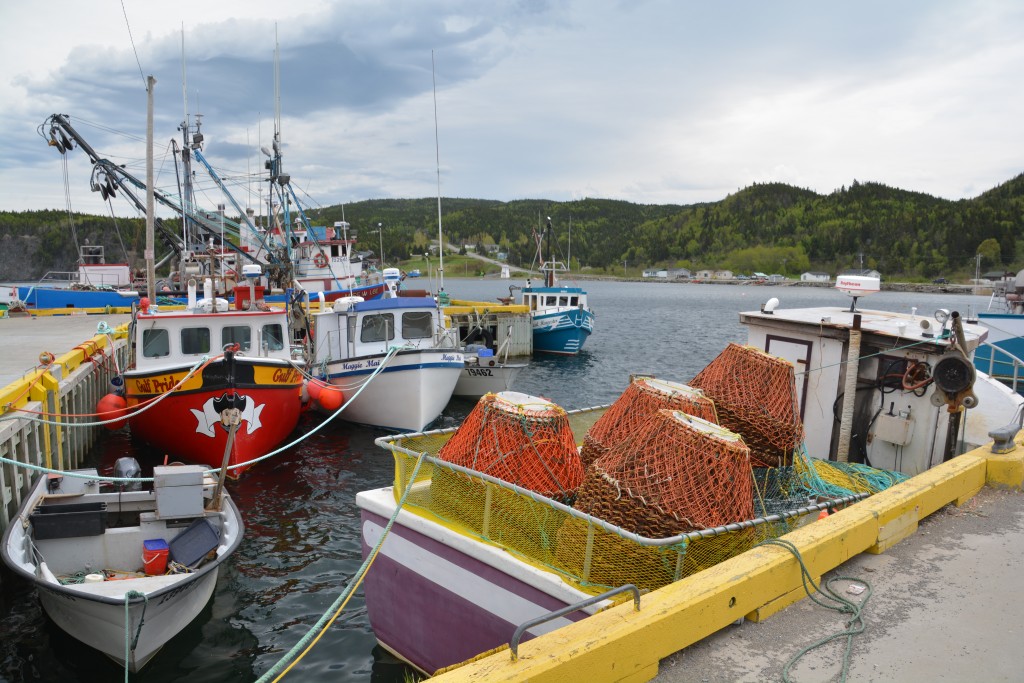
(549, 266)
(150, 255)
(437, 153)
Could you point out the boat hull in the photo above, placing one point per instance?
(459, 597)
(407, 395)
(101, 625)
(562, 332)
(480, 379)
(186, 425)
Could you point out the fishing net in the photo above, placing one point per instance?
(755, 395)
(521, 439)
(594, 554)
(676, 473)
(641, 398)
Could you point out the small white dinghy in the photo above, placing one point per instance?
(92, 548)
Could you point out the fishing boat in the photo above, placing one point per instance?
(122, 569)
(214, 378)
(486, 372)
(391, 358)
(1003, 355)
(562, 319)
(213, 245)
(822, 407)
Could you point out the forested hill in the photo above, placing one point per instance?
(765, 227)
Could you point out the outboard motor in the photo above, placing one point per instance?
(128, 468)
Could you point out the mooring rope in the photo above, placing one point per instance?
(308, 641)
(129, 641)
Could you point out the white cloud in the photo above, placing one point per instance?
(652, 101)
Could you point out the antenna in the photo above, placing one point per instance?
(437, 152)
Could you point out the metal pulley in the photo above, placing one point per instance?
(954, 373)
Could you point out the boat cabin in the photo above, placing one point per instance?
(183, 337)
(354, 328)
(553, 298)
(902, 419)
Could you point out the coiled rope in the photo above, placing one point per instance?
(854, 625)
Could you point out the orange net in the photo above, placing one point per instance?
(641, 398)
(520, 439)
(755, 395)
(678, 473)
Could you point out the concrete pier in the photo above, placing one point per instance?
(53, 372)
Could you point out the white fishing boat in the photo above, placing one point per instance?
(122, 569)
(399, 341)
(867, 397)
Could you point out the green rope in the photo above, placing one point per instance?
(129, 642)
(854, 625)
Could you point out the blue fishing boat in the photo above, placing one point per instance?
(1003, 354)
(562, 319)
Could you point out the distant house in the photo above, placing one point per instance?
(815, 276)
(705, 274)
(760, 276)
(775, 277)
(679, 274)
(723, 275)
(862, 273)
(655, 272)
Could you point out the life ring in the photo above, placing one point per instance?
(320, 260)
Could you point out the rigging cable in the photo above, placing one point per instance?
(145, 87)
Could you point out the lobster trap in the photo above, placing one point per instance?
(642, 397)
(755, 395)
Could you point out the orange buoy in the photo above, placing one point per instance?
(112, 406)
(331, 398)
(314, 387)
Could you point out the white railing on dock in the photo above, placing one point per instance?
(38, 410)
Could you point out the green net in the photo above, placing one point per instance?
(593, 554)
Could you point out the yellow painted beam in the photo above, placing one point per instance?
(620, 644)
(1006, 470)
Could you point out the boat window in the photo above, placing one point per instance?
(563, 301)
(156, 343)
(195, 340)
(378, 327)
(573, 301)
(552, 300)
(236, 334)
(273, 337)
(417, 325)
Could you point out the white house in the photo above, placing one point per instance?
(815, 276)
(655, 272)
(723, 275)
(705, 274)
(680, 274)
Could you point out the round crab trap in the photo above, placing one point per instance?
(641, 398)
(521, 439)
(679, 473)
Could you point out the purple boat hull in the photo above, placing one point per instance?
(435, 605)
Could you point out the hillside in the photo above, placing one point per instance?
(769, 227)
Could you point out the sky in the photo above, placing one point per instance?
(649, 101)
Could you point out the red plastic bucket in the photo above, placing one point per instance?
(154, 556)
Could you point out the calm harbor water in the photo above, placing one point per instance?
(302, 545)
